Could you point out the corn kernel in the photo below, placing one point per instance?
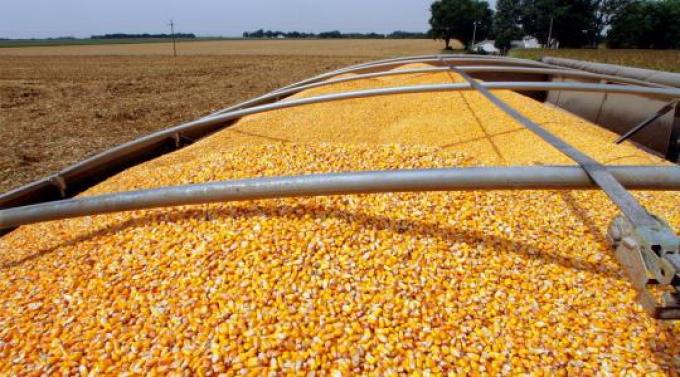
(445, 283)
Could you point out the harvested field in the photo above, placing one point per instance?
(343, 47)
(58, 110)
(464, 283)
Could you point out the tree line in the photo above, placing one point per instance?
(567, 23)
(646, 24)
(261, 34)
(145, 35)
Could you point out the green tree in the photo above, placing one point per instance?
(455, 19)
(574, 21)
(646, 24)
(634, 26)
(669, 24)
(507, 23)
(605, 10)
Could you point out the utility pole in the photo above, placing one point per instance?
(172, 33)
(474, 35)
(550, 32)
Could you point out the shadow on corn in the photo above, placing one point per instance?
(489, 138)
(266, 137)
(445, 233)
(581, 214)
(662, 354)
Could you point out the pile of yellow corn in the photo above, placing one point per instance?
(478, 283)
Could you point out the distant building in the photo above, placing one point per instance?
(526, 42)
(487, 47)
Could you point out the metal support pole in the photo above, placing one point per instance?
(421, 180)
(474, 35)
(605, 96)
(662, 111)
(616, 192)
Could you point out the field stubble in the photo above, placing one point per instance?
(61, 104)
(58, 110)
(306, 47)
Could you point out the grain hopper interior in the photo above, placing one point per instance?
(402, 278)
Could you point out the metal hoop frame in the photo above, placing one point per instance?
(469, 65)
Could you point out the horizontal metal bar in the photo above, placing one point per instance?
(452, 179)
(584, 87)
(415, 89)
(470, 69)
(344, 69)
(132, 146)
(339, 71)
(281, 93)
(558, 72)
(451, 57)
(670, 79)
(537, 67)
(472, 59)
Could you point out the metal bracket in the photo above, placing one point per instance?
(646, 246)
(650, 255)
(177, 138)
(673, 153)
(59, 181)
(181, 140)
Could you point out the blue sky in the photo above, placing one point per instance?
(82, 18)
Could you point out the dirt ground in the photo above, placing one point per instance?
(56, 111)
(340, 47)
(59, 105)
